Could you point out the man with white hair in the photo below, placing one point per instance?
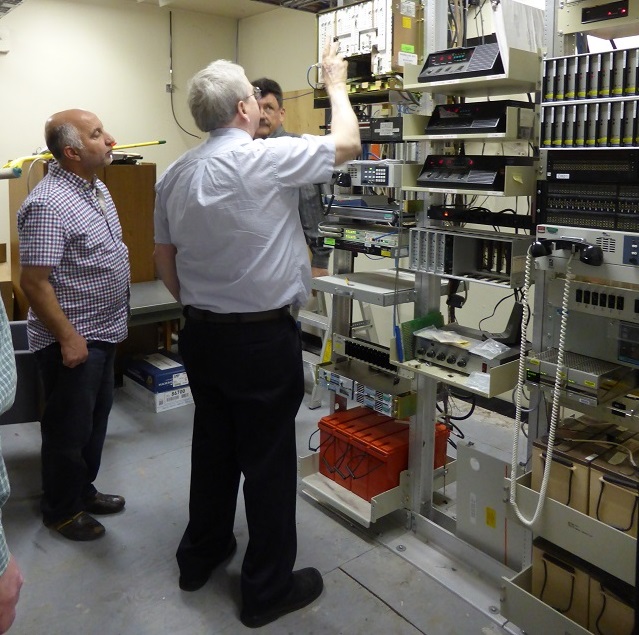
(230, 248)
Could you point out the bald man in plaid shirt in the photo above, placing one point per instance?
(75, 274)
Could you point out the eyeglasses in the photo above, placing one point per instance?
(257, 93)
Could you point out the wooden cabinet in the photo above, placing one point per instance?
(132, 189)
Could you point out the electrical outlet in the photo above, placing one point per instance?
(170, 88)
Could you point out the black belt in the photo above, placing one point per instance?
(235, 318)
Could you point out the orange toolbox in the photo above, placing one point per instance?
(441, 444)
(378, 458)
(345, 433)
(335, 439)
(330, 454)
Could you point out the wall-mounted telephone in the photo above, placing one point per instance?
(589, 254)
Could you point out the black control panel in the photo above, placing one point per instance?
(477, 172)
(474, 117)
(459, 63)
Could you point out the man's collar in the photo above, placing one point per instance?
(279, 132)
(229, 132)
(55, 169)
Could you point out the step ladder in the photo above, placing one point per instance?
(321, 320)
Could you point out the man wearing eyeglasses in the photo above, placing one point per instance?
(310, 205)
(230, 248)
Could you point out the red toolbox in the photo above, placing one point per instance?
(344, 433)
(376, 462)
(330, 455)
(441, 444)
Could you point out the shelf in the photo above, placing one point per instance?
(381, 288)
(326, 491)
(590, 148)
(496, 137)
(579, 534)
(524, 72)
(592, 100)
(482, 279)
(518, 181)
(414, 126)
(456, 252)
(530, 614)
(313, 319)
(498, 380)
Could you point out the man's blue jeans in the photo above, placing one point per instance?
(77, 405)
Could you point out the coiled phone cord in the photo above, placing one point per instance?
(554, 413)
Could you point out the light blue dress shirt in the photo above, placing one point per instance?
(230, 207)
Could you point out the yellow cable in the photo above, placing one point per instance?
(17, 163)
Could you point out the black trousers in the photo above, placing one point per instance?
(74, 426)
(248, 383)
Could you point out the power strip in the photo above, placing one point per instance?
(481, 217)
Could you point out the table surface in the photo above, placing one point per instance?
(153, 297)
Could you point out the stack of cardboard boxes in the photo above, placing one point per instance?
(593, 471)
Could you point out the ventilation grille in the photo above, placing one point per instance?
(607, 244)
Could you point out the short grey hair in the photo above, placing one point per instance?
(214, 93)
(59, 137)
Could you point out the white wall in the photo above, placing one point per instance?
(111, 58)
(280, 44)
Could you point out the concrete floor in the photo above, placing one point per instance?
(126, 583)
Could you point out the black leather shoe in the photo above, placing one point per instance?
(307, 586)
(104, 504)
(195, 582)
(79, 527)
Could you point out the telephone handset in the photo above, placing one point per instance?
(589, 254)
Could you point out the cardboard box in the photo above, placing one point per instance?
(157, 401)
(614, 487)
(159, 372)
(407, 33)
(611, 606)
(575, 448)
(561, 580)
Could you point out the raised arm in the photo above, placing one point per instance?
(344, 124)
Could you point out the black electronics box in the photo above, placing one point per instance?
(386, 129)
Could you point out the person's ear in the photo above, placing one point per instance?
(282, 113)
(70, 153)
(242, 111)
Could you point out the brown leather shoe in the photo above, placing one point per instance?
(105, 504)
(79, 527)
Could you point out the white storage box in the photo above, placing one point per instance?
(157, 401)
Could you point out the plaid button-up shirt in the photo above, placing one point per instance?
(72, 226)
